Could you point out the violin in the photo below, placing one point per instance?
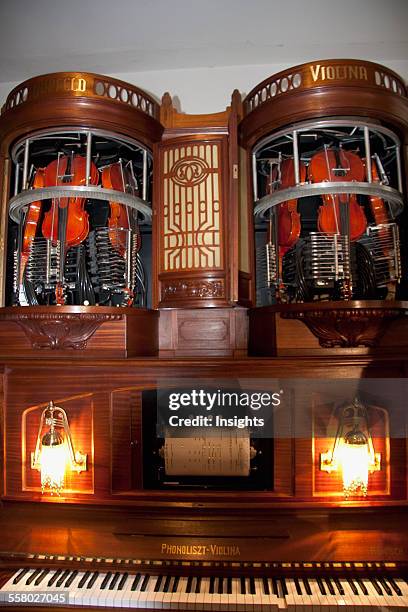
(288, 217)
(340, 214)
(118, 177)
(68, 170)
(378, 208)
(31, 220)
(67, 221)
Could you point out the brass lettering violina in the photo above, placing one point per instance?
(341, 72)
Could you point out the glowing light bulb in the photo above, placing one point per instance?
(53, 461)
(354, 461)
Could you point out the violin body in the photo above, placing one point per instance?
(32, 217)
(339, 165)
(289, 226)
(58, 172)
(117, 177)
(378, 208)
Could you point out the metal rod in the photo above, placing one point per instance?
(254, 177)
(368, 154)
(296, 157)
(399, 172)
(25, 167)
(88, 157)
(16, 177)
(144, 193)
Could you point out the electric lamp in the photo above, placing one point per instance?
(353, 451)
(54, 452)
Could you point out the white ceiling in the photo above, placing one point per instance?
(128, 36)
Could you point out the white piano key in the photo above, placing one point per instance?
(179, 596)
(292, 598)
(120, 594)
(382, 600)
(404, 590)
(91, 598)
(75, 594)
(262, 598)
(306, 598)
(239, 597)
(358, 602)
(315, 596)
(348, 596)
(201, 600)
(127, 595)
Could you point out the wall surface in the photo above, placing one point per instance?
(208, 90)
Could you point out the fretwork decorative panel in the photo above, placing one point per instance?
(192, 195)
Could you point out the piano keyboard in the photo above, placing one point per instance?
(242, 594)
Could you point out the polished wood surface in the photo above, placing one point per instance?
(78, 332)
(301, 534)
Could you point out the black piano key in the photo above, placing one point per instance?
(376, 586)
(252, 588)
(62, 578)
(33, 576)
(145, 582)
(166, 584)
(212, 582)
(338, 585)
(352, 586)
(122, 581)
(329, 586)
(307, 586)
(321, 585)
(83, 579)
(298, 587)
(114, 580)
(54, 577)
(275, 587)
(175, 584)
(384, 585)
(284, 587)
(189, 584)
(243, 587)
(265, 586)
(92, 580)
(198, 585)
(158, 584)
(71, 578)
(229, 585)
(135, 582)
(21, 575)
(395, 586)
(220, 586)
(41, 577)
(106, 580)
(362, 586)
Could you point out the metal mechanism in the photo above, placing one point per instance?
(104, 264)
(316, 264)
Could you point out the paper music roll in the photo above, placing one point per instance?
(227, 455)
